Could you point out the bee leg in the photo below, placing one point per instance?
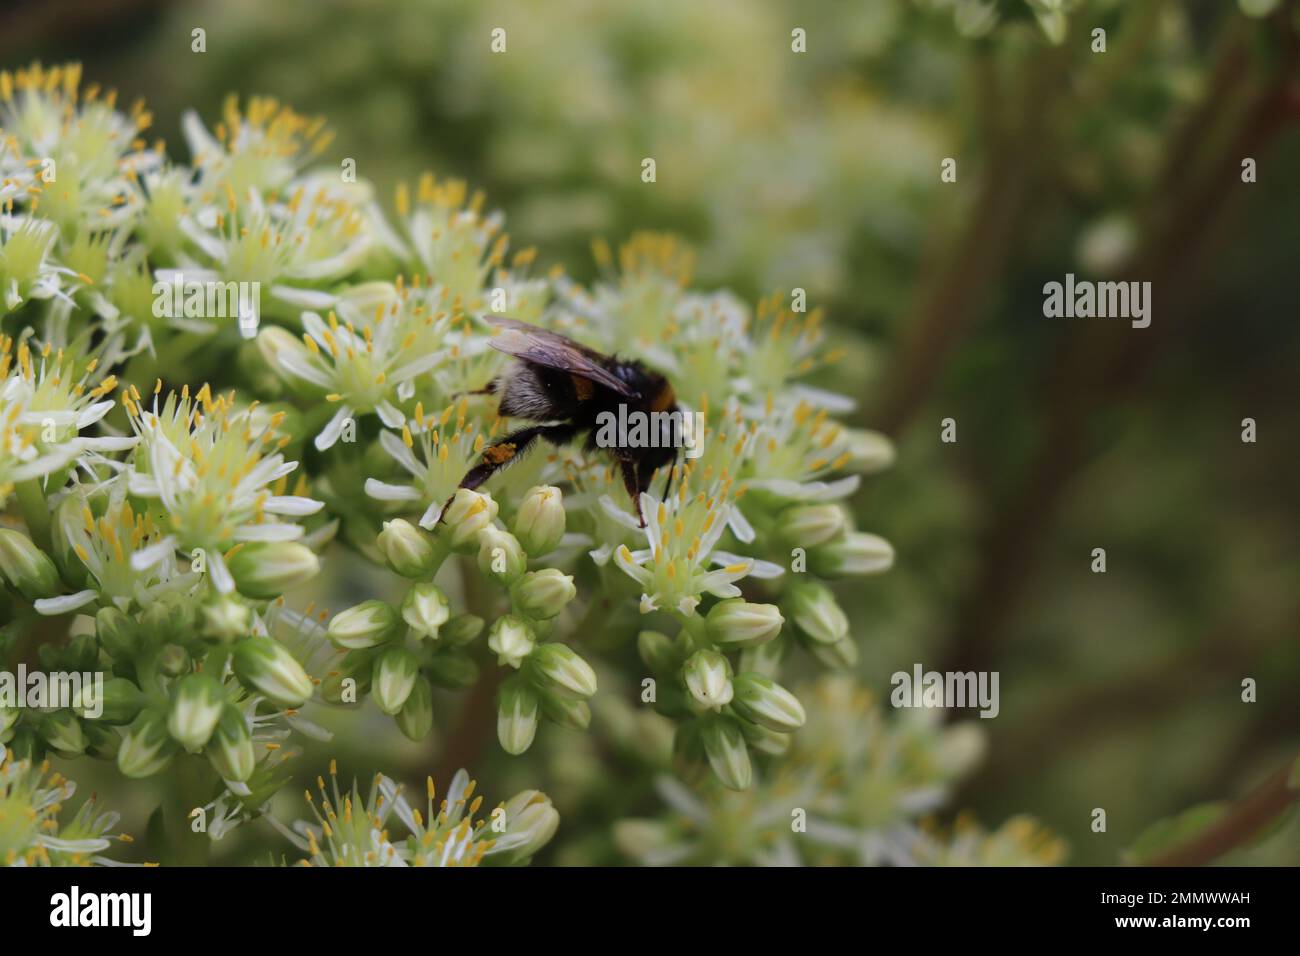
(501, 453)
(633, 486)
(488, 389)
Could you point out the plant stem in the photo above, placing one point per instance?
(1248, 817)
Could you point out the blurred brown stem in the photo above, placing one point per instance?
(1244, 820)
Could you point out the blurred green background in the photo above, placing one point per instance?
(821, 170)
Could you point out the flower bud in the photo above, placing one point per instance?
(764, 740)
(559, 669)
(197, 704)
(121, 701)
(517, 715)
(869, 451)
(415, 719)
(117, 633)
(840, 656)
(767, 703)
(570, 714)
(31, 573)
(658, 652)
(264, 570)
(807, 526)
(225, 618)
(230, 748)
(539, 522)
(462, 629)
(856, 553)
(737, 623)
(357, 666)
(102, 741)
(425, 609)
(174, 660)
(146, 747)
(532, 821)
(407, 549)
(395, 672)
(708, 678)
(542, 594)
(62, 732)
(511, 639)
(266, 666)
(452, 669)
(367, 624)
(814, 611)
(500, 555)
(8, 719)
(467, 515)
(724, 745)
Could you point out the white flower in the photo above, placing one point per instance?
(209, 466)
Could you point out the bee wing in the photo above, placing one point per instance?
(543, 347)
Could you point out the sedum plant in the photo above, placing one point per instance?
(219, 378)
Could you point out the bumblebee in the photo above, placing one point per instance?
(568, 390)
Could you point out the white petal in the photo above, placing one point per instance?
(292, 505)
(271, 531)
(333, 429)
(63, 604)
(383, 491)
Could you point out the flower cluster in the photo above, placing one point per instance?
(31, 833)
(174, 482)
(352, 831)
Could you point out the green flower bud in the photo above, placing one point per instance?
(543, 594)
(415, 719)
(197, 704)
(814, 611)
(724, 745)
(31, 573)
(531, 822)
(102, 741)
(539, 522)
(658, 651)
(264, 570)
(511, 639)
(765, 741)
(452, 669)
(857, 553)
(407, 549)
(500, 555)
(62, 732)
(767, 703)
(571, 714)
(367, 624)
(117, 633)
(737, 623)
(395, 672)
(807, 526)
(517, 715)
(174, 660)
(840, 656)
(81, 653)
(266, 666)
(462, 629)
(869, 451)
(121, 701)
(224, 618)
(146, 747)
(230, 748)
(466, 517)
(559, 669)
(708, 678)
(359, 666)
(425, 609)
